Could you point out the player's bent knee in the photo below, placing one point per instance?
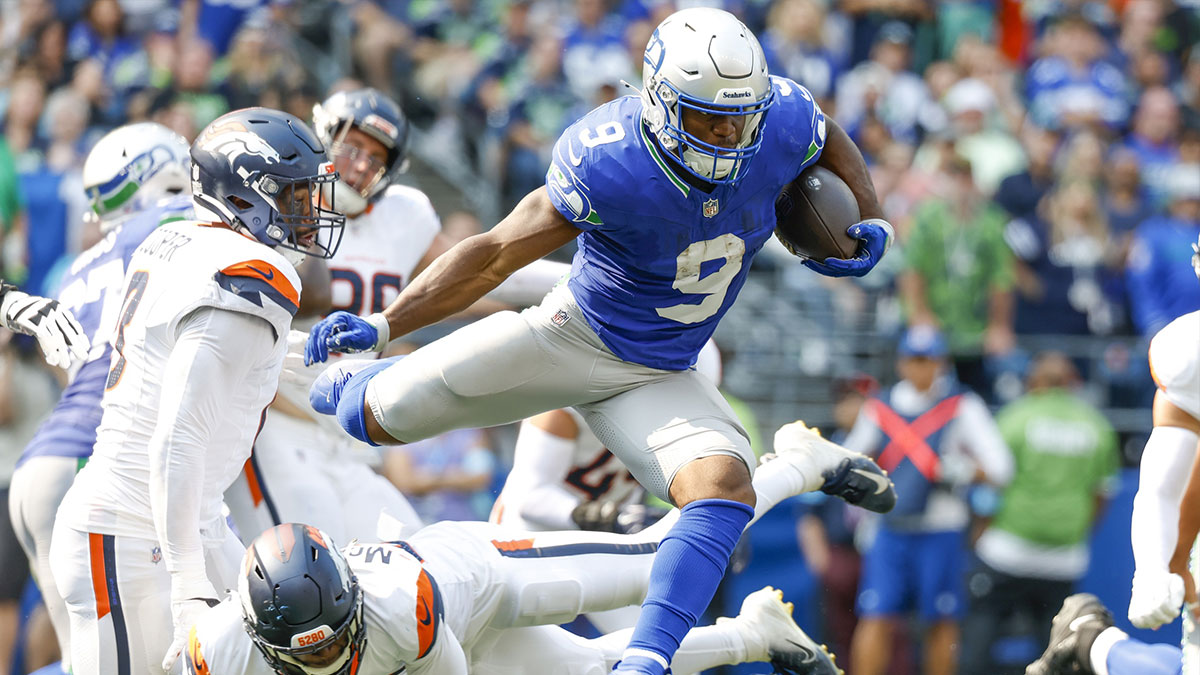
(714, 476)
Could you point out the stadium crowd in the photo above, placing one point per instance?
(1040, 161)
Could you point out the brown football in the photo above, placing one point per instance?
(812, 214)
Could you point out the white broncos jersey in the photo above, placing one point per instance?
(404, 614)
(544, 486)
(179, 268)
(1175, 362)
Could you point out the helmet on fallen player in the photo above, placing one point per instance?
(132, 167)
(301, 604)
(372, 113)
(260, 171)
(705, 60)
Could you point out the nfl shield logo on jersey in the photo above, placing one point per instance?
(710, 208)
(560, 317)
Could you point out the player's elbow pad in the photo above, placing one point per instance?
(351, 409)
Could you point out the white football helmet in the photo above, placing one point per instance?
(706, 60)
(146, 160)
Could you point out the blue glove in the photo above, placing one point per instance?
(876, 236)
(342, 332)
(326, 390)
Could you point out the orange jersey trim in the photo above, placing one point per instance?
(426, 615)
(99, 580)
(265, 271)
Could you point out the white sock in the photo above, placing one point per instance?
(1103, 644)
(779, 479)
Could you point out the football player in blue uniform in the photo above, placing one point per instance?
(670, 194)
(131, 177)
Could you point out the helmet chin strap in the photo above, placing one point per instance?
(348, 200)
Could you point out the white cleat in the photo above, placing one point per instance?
(854, 477)
(767, 625)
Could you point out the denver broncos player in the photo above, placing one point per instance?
(131, 177)
(462, 597)
(670, 195)
(140, 545)
(302, 471)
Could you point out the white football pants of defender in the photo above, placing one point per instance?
(295, 475)
(118, 595)
(509, 366)
(38, 487)
(507, 588)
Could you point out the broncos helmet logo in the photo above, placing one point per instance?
(233, 140)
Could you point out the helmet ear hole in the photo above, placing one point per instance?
(240, 203)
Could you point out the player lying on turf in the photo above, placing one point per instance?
(480, 598)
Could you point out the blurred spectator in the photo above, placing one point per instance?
(12, 219)
(378, 39)
(1154, 138)
(1125, 200)
(594, 50)
(192, 85)
(542, 108)
(871, 17)
(883, 88)
(1063, 253)
(959, 274)
(934, 438)
(1081, 157)
(1019, 193)
(26, 97)
(794, 42)
(259, 61)
(980, 136)
(1188, 90)
(1159, 275)
(1072, 85)
(47, 55)
(452, 41)
(444, 477)
(1036, 548)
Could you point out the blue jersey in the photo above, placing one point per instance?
(92, 290)
(660, 260)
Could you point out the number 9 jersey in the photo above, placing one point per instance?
(661, 259)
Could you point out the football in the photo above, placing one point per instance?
(812, 214)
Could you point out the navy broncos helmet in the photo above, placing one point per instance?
(379, 117)
(301, 604)
(260, 171)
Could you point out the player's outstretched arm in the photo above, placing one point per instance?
(454, 280)
(1166, 464)
(1189, 529)
(58, 333)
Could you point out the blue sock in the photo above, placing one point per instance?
(690, 563)
(1128, 657)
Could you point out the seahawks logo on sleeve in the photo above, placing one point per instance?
(567, 189)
